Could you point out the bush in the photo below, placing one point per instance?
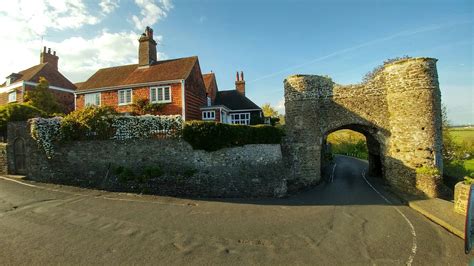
(42, 98)
(88, 123)
(211, 136)
(468, 180)
(427, 170)
(17, 112)
(144, 106)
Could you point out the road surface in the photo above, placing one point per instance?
(342, 222)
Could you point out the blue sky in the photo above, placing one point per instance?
(268, 40)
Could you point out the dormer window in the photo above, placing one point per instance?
(9, 81)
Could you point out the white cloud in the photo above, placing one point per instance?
(40, 15)
(151, 11)
(79, 57)
(108, 6)
(280, 107)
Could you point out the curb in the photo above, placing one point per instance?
(448, 226)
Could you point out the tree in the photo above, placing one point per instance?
(42, 98)
(16, 112)
(269, 111)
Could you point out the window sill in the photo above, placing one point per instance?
(161, 102)
(124, 104)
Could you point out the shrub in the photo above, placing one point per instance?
(426, 170)
(43, 98)
(124, 174)
(88, 123)
(17, 112)
(143, 106)
(46, 131)
(146, 126)
(152, 172)
(213, 136)
(468, 180)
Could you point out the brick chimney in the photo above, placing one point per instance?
(240, 83)
(147, 48)
(47, 57)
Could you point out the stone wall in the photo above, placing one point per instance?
(461, 197)
(248, 171)
(3, 159)
(399, 112)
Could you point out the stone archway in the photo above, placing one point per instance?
(400, 109)
(374, 142)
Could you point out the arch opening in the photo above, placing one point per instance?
(356, 141)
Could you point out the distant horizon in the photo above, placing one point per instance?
(267, 40)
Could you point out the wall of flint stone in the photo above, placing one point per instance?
(3, 159)
(399, 112)
(248, 171)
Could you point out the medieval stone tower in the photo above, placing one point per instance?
(399, 112)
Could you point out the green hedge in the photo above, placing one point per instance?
(211, 136)
(17, 112)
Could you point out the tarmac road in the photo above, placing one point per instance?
(343, 222)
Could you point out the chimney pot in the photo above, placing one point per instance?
(237, 76)
(44, 49)
(54, 53)
(242, 75)
(49, 50)
(147, 48)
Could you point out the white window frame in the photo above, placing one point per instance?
(237, 119)
(12, 96)
(97, 99)
(154, 97)
(208, 115)
(125, 102)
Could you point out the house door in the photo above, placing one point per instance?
(19, 156)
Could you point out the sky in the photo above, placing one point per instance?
(266, 39)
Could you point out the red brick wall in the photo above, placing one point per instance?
(110, 98)
(66, 99)
(4, 96)
(195, 97)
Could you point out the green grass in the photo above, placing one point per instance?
(349, 143)
(462, 136)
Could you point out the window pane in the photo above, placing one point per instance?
(129, 96)
(160, 94)
(153, 94)
(97, 98)
(167, 94)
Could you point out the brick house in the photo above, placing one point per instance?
(177, 83)
(17, 84)
(230, 106)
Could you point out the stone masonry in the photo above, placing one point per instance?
(248, 171)
(398, 111)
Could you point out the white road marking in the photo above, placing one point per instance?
(332, 174)
(85, 195)
(412, 228)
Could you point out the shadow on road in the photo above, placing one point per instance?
(344, 186)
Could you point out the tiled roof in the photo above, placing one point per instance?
(208, 78)
(173, 69)
(233, 100)
(54, 77)
(78, 84)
